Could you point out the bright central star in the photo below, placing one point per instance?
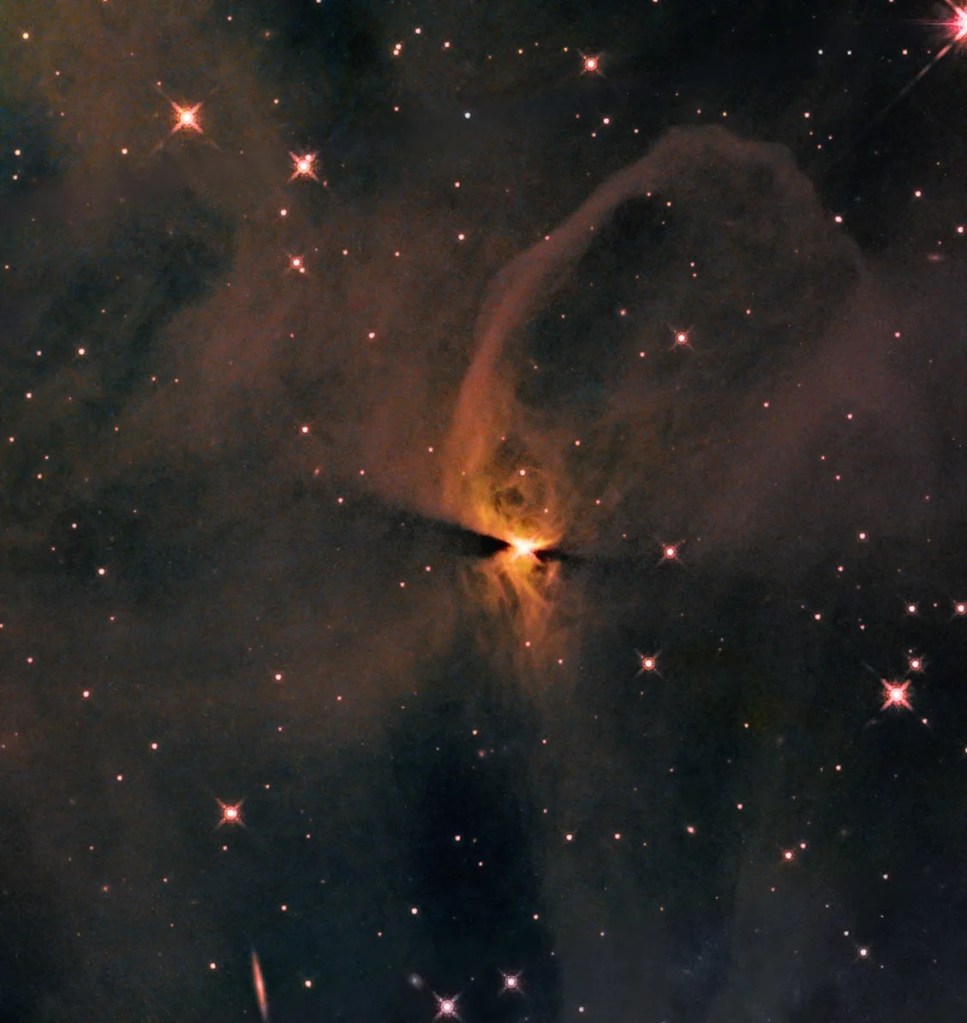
(523, 548)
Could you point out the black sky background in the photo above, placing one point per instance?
(238, 509)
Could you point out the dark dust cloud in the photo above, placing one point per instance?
(541, 519)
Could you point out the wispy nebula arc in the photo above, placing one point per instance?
(510, 470)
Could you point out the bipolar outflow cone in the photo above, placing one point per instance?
(471, 544)
(484, 545)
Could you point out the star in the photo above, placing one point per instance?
(670, 552)
(590, 63)
(231, 814)
(682, 338)
(648, 663)
(303, 166)
(446, 1006)
(511, 983)
(895, 695)
(186, 118)
(957, 26)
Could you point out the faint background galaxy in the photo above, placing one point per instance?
(483, 502)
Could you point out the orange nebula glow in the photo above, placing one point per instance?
(517, 581)
(497, 491)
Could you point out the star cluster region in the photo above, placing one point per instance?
(483, 509)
